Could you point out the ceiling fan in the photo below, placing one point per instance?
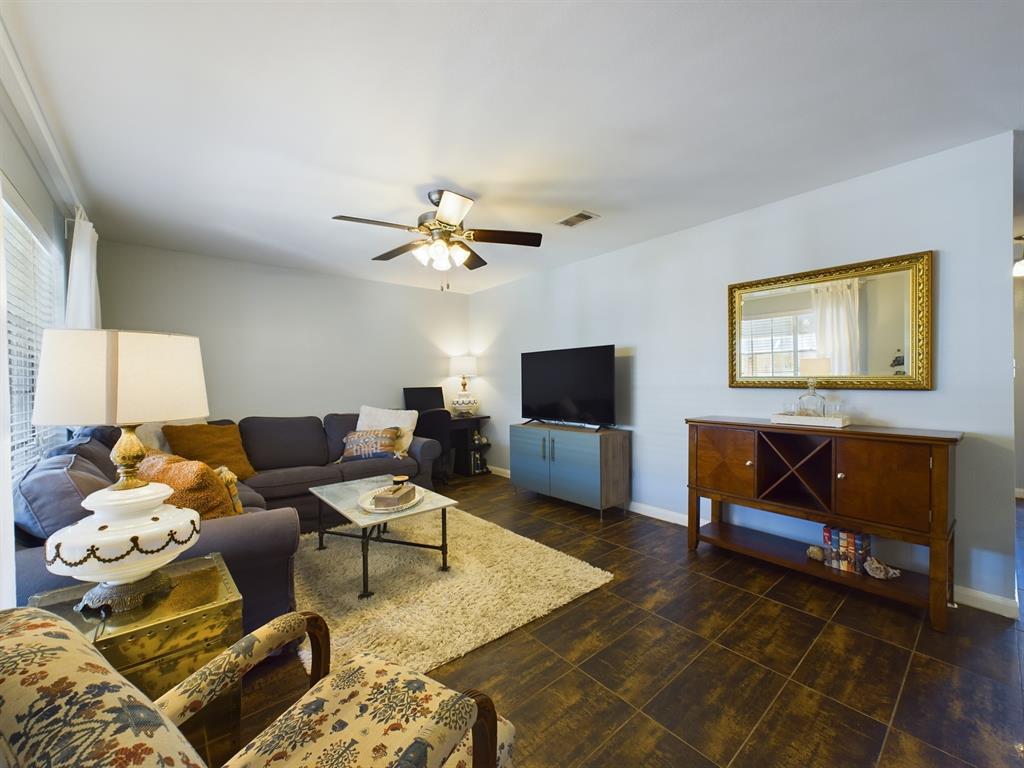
(444, 242)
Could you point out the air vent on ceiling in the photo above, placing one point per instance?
(578, 218)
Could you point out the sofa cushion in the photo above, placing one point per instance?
(249, 497)
(337, 426)
(106, 435)
(356, 470)
(91, 449)
(292, 481)
(213, 444)
(289, 441)
(49, 496)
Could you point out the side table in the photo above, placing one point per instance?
(169, 637)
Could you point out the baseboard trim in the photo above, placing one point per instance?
(658, 513)
(500, 472)
(986, 601)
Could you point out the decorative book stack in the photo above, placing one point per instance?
(846, 550)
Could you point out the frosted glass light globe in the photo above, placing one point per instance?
(459, 254)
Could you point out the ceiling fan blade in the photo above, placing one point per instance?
(473, 261)
(400, 250)
(505, 236)
(453, 208)
(376, 223)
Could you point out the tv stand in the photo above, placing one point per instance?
(584, 465)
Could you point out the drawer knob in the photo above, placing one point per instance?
(841, 476)
(748, 463)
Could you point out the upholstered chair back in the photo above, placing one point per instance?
(62, 704)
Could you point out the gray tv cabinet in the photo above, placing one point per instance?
(572, 463)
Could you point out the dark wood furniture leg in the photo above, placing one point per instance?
(693, 520)
(716, 511)
(320, 647)
(938, 587)
(320, 523)
(485, 731)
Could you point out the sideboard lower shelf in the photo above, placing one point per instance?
(910, 587)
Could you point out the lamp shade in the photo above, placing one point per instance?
(118, 378)
(463, 366)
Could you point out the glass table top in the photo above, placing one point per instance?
(344, 497)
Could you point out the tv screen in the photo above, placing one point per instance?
(576, 385)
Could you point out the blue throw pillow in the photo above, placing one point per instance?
(49, 496)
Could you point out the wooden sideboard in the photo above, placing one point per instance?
(894, 483)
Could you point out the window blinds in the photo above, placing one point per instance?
(34, 298)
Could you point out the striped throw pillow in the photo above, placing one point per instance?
(372, 444)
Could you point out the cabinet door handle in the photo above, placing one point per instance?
(544, 448)
(748, 463)
(841, 476)
(552, 449)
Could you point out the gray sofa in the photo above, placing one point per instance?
(290, 455)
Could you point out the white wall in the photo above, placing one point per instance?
(663, 303)
(280, 342)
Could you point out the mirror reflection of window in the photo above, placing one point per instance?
(848, 327)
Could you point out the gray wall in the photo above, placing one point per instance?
(280, 342)
(663, 304)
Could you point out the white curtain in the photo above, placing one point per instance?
(83, 304)
(836, 307)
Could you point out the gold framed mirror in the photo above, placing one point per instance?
(858, 326)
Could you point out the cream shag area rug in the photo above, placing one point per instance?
(420, 616)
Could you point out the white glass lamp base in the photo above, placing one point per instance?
(129, 535)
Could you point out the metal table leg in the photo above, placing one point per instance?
(444, 538)
(366, 533)
(320, 523)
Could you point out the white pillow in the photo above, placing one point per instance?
(382, 418)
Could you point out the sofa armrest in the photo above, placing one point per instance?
(258, 548)
(424, 450)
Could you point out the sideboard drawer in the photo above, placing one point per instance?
(725, 460)
(884, 482)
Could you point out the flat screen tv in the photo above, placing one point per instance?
(575, 385)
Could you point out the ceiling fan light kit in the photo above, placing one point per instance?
(448, 243)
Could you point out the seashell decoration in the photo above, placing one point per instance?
(880, 570)
(816, 553)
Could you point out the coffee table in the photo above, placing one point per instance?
(344, 498)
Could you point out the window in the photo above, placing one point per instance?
(34, 279)
(775, 345)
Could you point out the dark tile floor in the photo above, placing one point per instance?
(708, 659)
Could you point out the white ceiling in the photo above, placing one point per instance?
(239, 129)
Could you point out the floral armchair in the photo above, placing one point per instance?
(62, 704)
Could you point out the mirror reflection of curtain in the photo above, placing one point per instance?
(836, 307)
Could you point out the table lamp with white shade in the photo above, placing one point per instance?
(122, 378)
(463, 404)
